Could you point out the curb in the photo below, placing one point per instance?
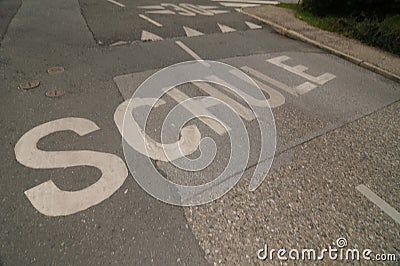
(298, 36)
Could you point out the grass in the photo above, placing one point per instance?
(383, 33)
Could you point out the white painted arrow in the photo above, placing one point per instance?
(192, 32)
(225, 28)
(253, 26)
(148, 36)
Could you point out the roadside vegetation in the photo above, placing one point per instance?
(373, 22)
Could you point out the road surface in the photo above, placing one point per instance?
(68, 197)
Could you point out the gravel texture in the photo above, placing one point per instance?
(311, 200)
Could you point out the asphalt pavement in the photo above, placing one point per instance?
(68, 197)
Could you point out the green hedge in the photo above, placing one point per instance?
(384, 34)
(377, 8)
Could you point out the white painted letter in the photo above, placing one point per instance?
(141, 142)
(47, 198)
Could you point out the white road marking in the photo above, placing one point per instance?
(197, 9)
(241, 93)
(225, 28)
(301, 89)
(217, 12)
(141, 142)
(212, 9)
(161, 12)
(148, 36)
(151, 7)
(252, 26)
(270, 80)
(305, 87)
(183, 9)
(47, 198)
(180, 10)
(198, 110)
(276, 99)
(188, 50)
(192, 32)
(208, 7)
(150, 20)
(116, 3)
(299, 70)
(119, 43)
(239, 5)
(389, 210)
(243, 111)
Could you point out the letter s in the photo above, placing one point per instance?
(47, 198)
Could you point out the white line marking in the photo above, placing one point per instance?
(276, 99)
(151, 7)
(305, 87)
(225, 28)
(161, 12)
(192, 32)
(118, 43)
(196, 9)
(299, 70)
(148, 36)
(301, 89)
(208, 7)
(116, 3)
(239, 108)
(141, 142)
(242, 110)
(252, 26)
(270, 80)
(150, 20)
(198, 110)
(217, 12)
(180, 10)
(389, 210)
(241, 92)
(238, 5)
(188, 50)
(250, 1)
